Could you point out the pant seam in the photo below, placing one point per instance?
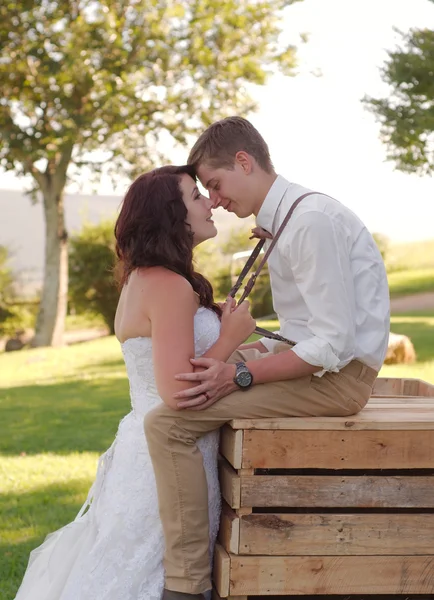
(181, 505)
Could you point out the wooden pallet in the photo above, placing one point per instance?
(331, 505)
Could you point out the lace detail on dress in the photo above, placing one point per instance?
(114, 548)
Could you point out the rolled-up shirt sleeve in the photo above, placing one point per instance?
(317, 251)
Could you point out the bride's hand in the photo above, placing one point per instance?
(237, 323)
(232, 302)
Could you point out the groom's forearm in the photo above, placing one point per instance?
(279, 367)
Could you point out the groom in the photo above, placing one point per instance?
(331, 295)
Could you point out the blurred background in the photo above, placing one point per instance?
(93, 93)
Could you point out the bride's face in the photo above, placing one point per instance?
(199, 215)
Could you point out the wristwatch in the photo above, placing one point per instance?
(243, 378)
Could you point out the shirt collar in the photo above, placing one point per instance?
(273, 199)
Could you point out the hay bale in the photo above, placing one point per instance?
(400, 350)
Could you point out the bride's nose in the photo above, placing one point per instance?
(209, 203)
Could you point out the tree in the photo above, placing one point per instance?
(238, 240)
(92, 261)
(216, 261)
(6, 288)
(82, 76)
(407, 116)
(383, 244)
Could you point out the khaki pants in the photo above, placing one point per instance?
(181, 482)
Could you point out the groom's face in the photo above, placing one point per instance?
(227, 188)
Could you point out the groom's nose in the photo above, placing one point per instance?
(215, 198)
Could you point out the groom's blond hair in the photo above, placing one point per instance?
(218, 145)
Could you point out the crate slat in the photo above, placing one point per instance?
(295, 534)
(394, 386)
(372, 417)
(321, 491)
(267, 575)
(231, 445)
(287, 449)
(221, 570)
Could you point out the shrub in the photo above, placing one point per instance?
(92, 288)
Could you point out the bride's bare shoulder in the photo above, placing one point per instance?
(163, 282)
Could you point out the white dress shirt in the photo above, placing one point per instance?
(328, 280)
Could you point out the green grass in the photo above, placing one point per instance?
(414, 281)
(60, 409)
(410, 268)
(84, 321)
(410, 255)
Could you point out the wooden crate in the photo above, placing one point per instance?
(337, 505)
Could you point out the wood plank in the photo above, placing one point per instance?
(229, 484)
(392, 386)
(389, 386)
(320, 491)
(231, 445)
(338, 449)
(266, 575)
(216, 596)
(426, 388)
(407, 401)
(221, 571)
(334, 534)
(371, 418)
(229, 532)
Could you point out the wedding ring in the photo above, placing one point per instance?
(206, 396)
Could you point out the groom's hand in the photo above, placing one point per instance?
(214, 383)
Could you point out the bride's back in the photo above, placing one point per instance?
(132, 313)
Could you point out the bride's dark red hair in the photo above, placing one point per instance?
(151, 230)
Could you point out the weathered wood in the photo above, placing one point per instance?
(332, 534)
(244, 472)
(371, 418)
(392, 386)
(229, 484)
(244, 511)
(221, 570)
(229, 533)
(231, 445)
(399, 401)
(216, 596)
(338, 449)
(266, 575)
(336, 491)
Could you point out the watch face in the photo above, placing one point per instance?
(244, 379)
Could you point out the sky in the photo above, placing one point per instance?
(319, 133)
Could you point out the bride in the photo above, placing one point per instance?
(166, 315)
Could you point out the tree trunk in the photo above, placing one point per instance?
(50, 323)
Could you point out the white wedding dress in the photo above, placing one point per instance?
(114, 548)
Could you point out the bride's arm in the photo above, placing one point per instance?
(171, 312)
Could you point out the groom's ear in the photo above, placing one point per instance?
(245, 161)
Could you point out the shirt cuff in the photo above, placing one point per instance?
(268, 343)
(317, 352)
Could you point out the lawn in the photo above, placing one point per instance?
(60, 410)
(412, 281)
(410, 267)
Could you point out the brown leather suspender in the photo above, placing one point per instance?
(249, 264)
